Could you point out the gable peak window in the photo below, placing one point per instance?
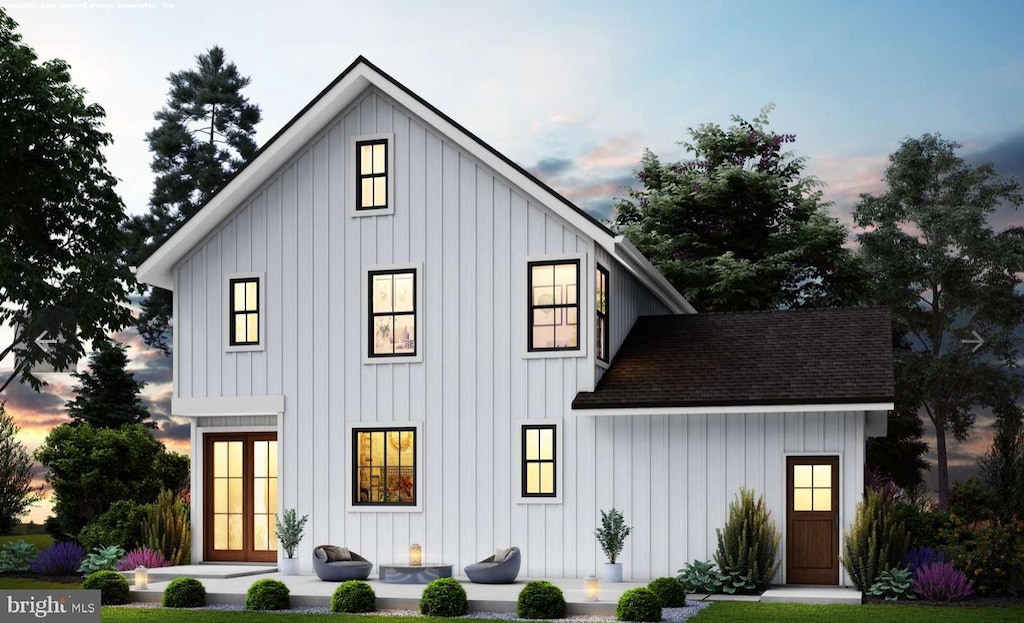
(372, 174)
(554, 307)
(601, 309)
(392, 317)
(244, 311)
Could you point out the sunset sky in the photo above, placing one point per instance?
(574, 91)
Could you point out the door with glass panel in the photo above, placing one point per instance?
(812, 520)
(240, 502)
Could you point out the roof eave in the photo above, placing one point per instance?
(804, 407)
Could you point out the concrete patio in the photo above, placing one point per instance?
(227, 584)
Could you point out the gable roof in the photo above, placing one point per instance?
(158, 268)
(797, 357)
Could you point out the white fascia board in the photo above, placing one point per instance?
(803, 408)
(158, 269)
(643, 270)
(227, 405)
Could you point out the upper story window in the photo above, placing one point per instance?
(392, 317)
(554, 307)
(245, 302)
(384, 466)
(371, 174)
(372, 184)
(601, 346)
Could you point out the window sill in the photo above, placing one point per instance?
(553, 354)
(372, 212)
(352, 508)
(372, 361)
(245, 348)
(555, 500)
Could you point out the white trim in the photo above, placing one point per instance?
(227, 405)
(517, 456)
(261, 313)
(841, 521)
(350, 456)
(353, 160)
(157, 269)
(798, 408)
(364, 303)
(585, 301)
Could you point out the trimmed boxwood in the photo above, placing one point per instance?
(184, 593)
(268, 594)
(638, 604)
(444, 597)
(113, 587)
(354, 596)
(670, 591)
(540, 600)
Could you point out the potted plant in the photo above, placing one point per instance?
(289, 533)
(612, 536)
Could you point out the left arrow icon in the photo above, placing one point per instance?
(44, 343)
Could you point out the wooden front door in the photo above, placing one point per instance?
(240, 500)
(812, 520)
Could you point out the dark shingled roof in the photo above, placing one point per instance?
(812, 356)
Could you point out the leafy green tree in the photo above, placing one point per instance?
(90, 468)
(205, 133)
(935, 260)
(16, 491)
(107, 394)
(739, 227)
(900, 454)
(61, 270)
(1002, 467)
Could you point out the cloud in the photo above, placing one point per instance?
(551, 166)
(172, 430)
(1007, 156)
(614, 152)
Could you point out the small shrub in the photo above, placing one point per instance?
(540, 600)
(184, 593)
(167, 529)
(939, 581)
(444, 597)
(923, 526)
(113, 587)
(669, 591)
(61, 558)
(748, 546)
(120, 525)
(700, 576)
(735, 581)
(354, 596)
(142, 556)
(990, 554)
(919, 556)
(638, 604)
(893, 585)
(876, 541)
(101, 559)
(268, 594)
(17, 556)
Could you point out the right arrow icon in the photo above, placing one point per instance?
(977, 341)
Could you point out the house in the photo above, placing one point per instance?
(387, 325)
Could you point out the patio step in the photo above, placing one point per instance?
(812, 595)
(208, 571)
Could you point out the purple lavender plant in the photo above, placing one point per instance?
(939, 581)
(142, 556)
(60, 558)
(919, 556)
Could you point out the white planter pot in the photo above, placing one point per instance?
(288, 566)
(611, 572)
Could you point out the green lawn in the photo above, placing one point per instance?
(113, 614)
(33, 584)
(741, 612)
(41, 541)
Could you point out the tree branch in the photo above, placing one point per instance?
(14, 375)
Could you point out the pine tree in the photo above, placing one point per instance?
(108, 395)
(16, 490)
(1002, 467)
(205, 133)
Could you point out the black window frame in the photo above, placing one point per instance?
(233, 314)
(360, 176)
(601, 318)
(356, 490)
(531, 307)
(525, 428)
(372, 316)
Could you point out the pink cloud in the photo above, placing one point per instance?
(613, 153)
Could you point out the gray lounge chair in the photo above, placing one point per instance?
(489, 571)
(330, 569)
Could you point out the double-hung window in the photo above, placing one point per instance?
(601, 345)
(539, 461)
(392, 313)
(371, 174)
(244, 326)
(554, 307)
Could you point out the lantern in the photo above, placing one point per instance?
(593, 588)
(415, 555)
(141, 577)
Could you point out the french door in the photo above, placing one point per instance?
(240, 501)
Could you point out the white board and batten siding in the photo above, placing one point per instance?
(471, 232)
